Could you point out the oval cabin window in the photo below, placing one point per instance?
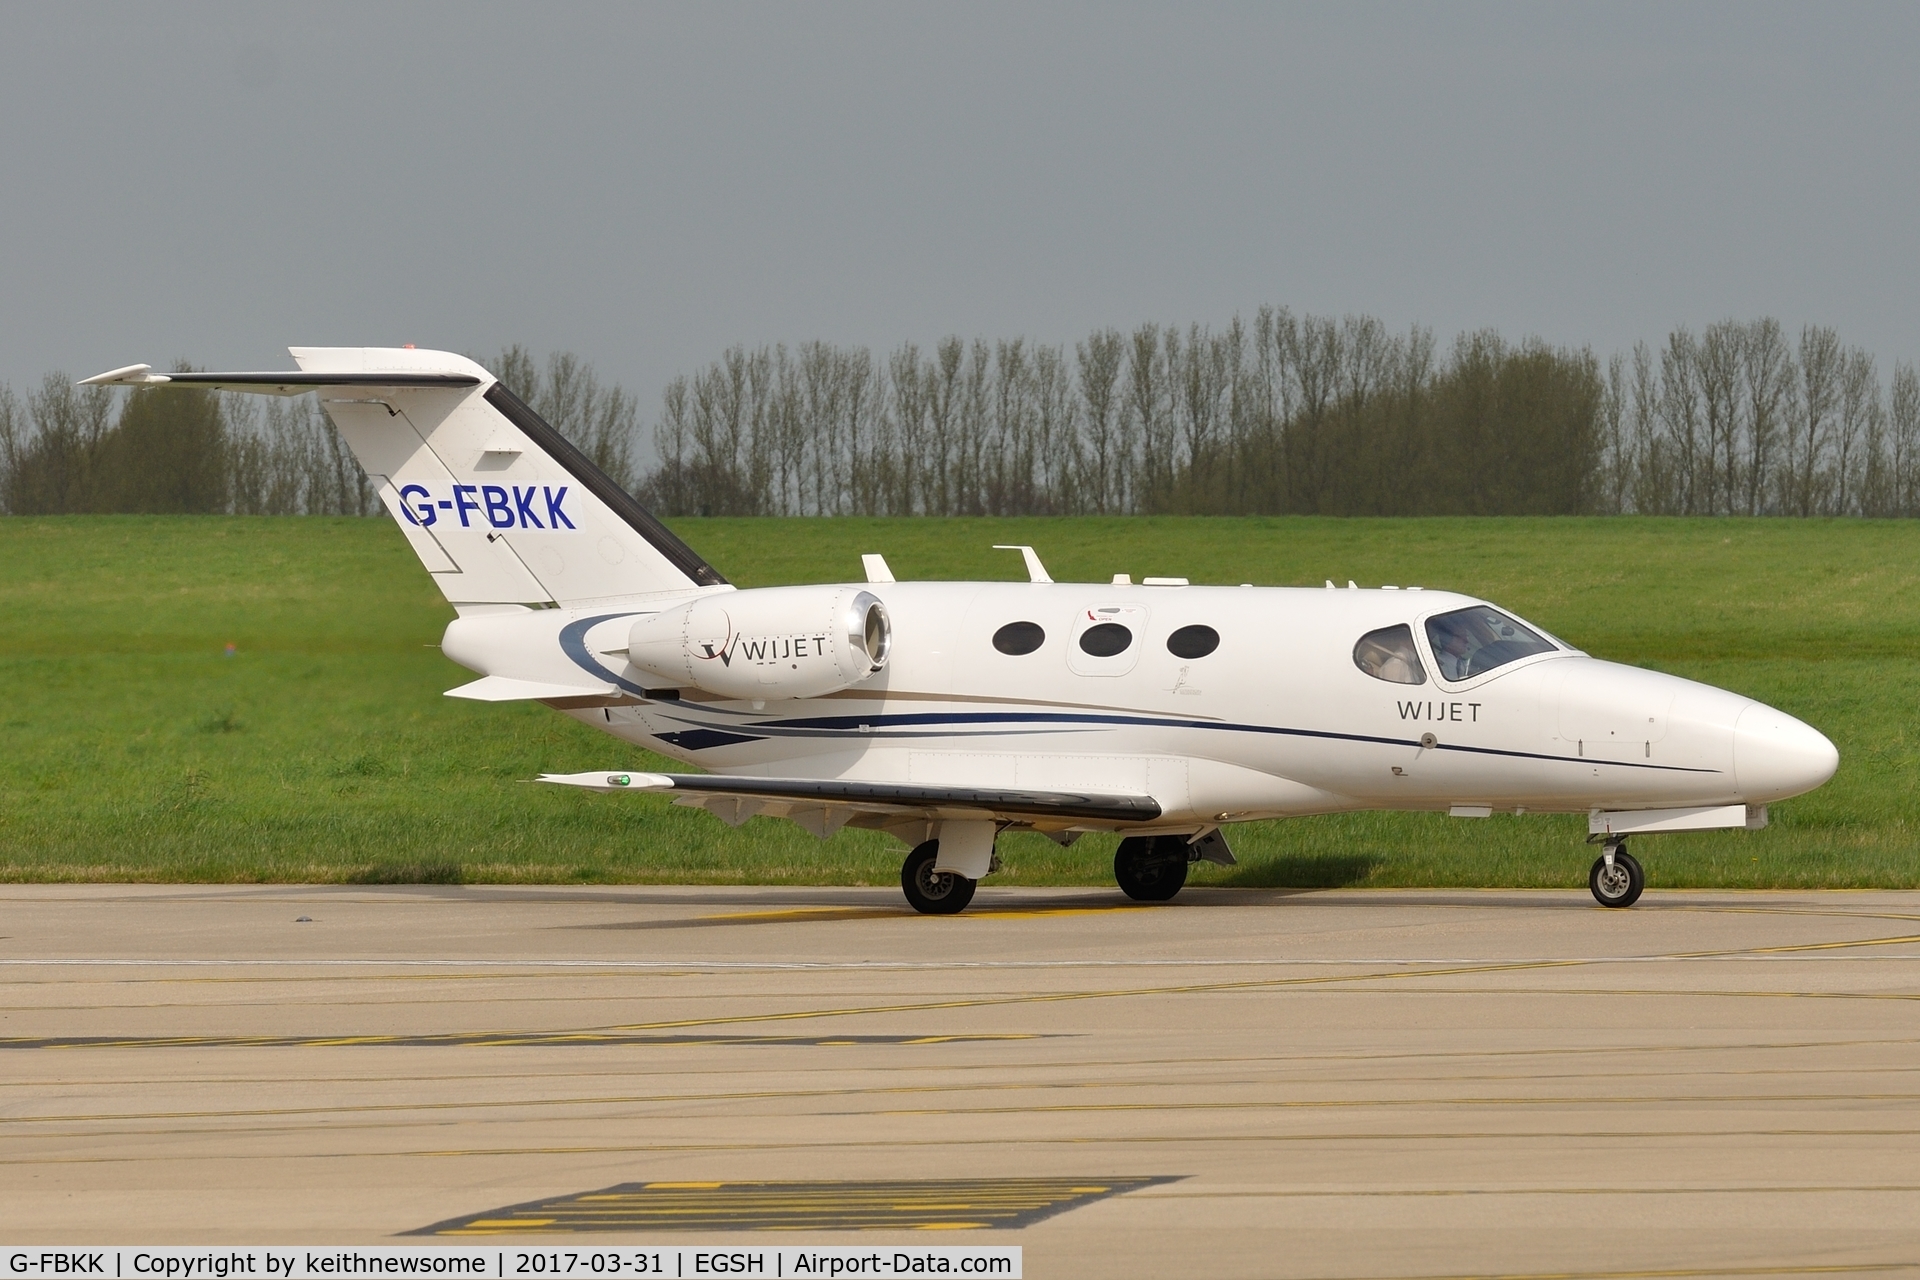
(1105, 640)
(1388, 654)
(1193, 642)
(1017, 638)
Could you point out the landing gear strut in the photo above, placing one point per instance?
(930, 892)
(1151, 869)
(1616, 878)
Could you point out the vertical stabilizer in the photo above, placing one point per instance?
(498, 505)
(500, 508)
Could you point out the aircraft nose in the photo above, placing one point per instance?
(1776, 756)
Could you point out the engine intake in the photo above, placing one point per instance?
(770, 642)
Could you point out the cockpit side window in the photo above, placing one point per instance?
(1471, 642)
(1388, 654)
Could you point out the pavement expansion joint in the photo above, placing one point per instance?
(929, 1204)
(497, 1039)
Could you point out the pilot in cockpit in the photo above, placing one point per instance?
(1454, 652)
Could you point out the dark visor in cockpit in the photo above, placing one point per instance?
(1471, 642)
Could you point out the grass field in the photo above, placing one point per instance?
(134, 746)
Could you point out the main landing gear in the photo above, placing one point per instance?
(1148, 869)
(1151, 868)
(1616, 878)
(930, 892)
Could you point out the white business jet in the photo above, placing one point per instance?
(947, 712)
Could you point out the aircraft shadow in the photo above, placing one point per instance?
(1303, 871)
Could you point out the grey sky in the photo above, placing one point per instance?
(648, 185)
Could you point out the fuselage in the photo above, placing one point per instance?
(1278, 718)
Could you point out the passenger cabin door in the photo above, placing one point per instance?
(1106, 639)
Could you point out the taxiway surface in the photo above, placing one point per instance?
(1353, 1083)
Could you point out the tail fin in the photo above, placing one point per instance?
(499, 506)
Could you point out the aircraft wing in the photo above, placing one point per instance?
(874, 797)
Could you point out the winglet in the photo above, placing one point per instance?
(876, 566)
(1036, 572)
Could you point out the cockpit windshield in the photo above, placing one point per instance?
(1471, 642)
(1388, 654)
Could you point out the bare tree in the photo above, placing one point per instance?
(15, 437)
(1719, 358)
(1904, 440)
(1682, 421)
(1312, 360)
(1147, 409)
(973, 417)
(944, 407)
(1854, 426)
(1653, 483)
(1277, 336)
(1201, 378)
(1368, 357)
(1104, 465)
(1011, 458)
(1056, 431)
(908, 380)
(1410, 454)
(781, 441)
(858, 401)
(1821, 364)
(1769, 374)
(1616, 449)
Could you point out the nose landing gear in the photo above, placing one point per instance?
(1616, 878)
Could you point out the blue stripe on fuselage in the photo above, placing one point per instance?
(874, 726)
(573, 643)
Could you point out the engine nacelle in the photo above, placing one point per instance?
(769, 642)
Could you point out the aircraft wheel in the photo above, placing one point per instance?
(1151, 870)
(930, 892)
(1620, 884)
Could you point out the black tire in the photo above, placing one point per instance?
(1151, 870)
(1623, 886)
(933, 893)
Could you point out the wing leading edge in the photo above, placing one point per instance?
(877, 797)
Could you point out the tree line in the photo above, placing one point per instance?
(1296, 414)
(1283, 414)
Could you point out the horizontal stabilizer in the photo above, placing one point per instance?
(288, 383)
(879, 797)
(502, 689)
